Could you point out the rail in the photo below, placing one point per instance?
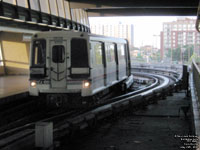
(196, 78)
(71, 124)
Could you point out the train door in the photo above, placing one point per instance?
(117, 61)
(97, 64)
(127, 56)
(111, 65)
(122, 67)
(58, 63)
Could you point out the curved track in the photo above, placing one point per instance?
(68, 123)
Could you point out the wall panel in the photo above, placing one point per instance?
(2, 70)
(61, 10)
(10, 1)
(77, 12)
(22, 3)
(16, 53)
(34, 4)
(53, 7)
(44, 6)
(73, 14)
(67, 10)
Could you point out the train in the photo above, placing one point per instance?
(75, 69)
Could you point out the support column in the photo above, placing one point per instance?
(2, 68)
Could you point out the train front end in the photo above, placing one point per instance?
(59, 67)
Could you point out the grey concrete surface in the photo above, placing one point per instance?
(12, 85)
(158, 127)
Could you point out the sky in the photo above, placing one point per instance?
(146, 29)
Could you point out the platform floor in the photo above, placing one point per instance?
(161, 126)
(13, 85)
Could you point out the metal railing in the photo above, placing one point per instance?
(196, 78)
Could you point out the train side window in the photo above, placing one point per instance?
(121, 52)
(110, 53)
(79, 53)
(98, 53)
(38, 53)
(58, 54)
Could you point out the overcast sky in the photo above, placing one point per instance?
(146, 29)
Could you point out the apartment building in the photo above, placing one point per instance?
(179, 33)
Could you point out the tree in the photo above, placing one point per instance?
(180, 53)
(189, 49)
(176, 54)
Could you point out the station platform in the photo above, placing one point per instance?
(13, 87)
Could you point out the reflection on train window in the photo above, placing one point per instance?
(121, 52)
(79, 53)
(110, 54)
(38, 53)
(98, 53)
(58, 54)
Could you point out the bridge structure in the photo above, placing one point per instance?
(20, 19)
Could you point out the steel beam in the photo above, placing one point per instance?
(133, 4)
(143, 12)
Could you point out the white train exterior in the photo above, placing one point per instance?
(67, 62)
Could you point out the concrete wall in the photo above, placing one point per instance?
(2, 70)
(15, 53)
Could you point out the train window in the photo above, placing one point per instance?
(58, 54)
(38, 53)
(79, 54)
(110, 53)
(121, 52)
(98, 53)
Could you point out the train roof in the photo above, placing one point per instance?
(47, 34)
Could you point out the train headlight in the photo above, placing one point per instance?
(33, 83)
(86, 84)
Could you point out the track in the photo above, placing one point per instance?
(68, 123)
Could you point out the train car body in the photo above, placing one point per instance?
(64, 63)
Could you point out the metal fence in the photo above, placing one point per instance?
(196, 78)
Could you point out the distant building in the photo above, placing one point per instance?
(179, 34)
(147, 49)
(115, 30)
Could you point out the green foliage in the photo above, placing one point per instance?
(140, 57)
(195, 57)
(156, 57)
(189, 49)
(179, 54)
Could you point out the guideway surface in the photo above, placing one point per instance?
(13, 85)
(155, 128)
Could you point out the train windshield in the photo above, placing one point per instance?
(39, 53)
(79, 53)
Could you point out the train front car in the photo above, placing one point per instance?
(59, 66)
(75, 69)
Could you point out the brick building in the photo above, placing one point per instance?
(179, 34)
